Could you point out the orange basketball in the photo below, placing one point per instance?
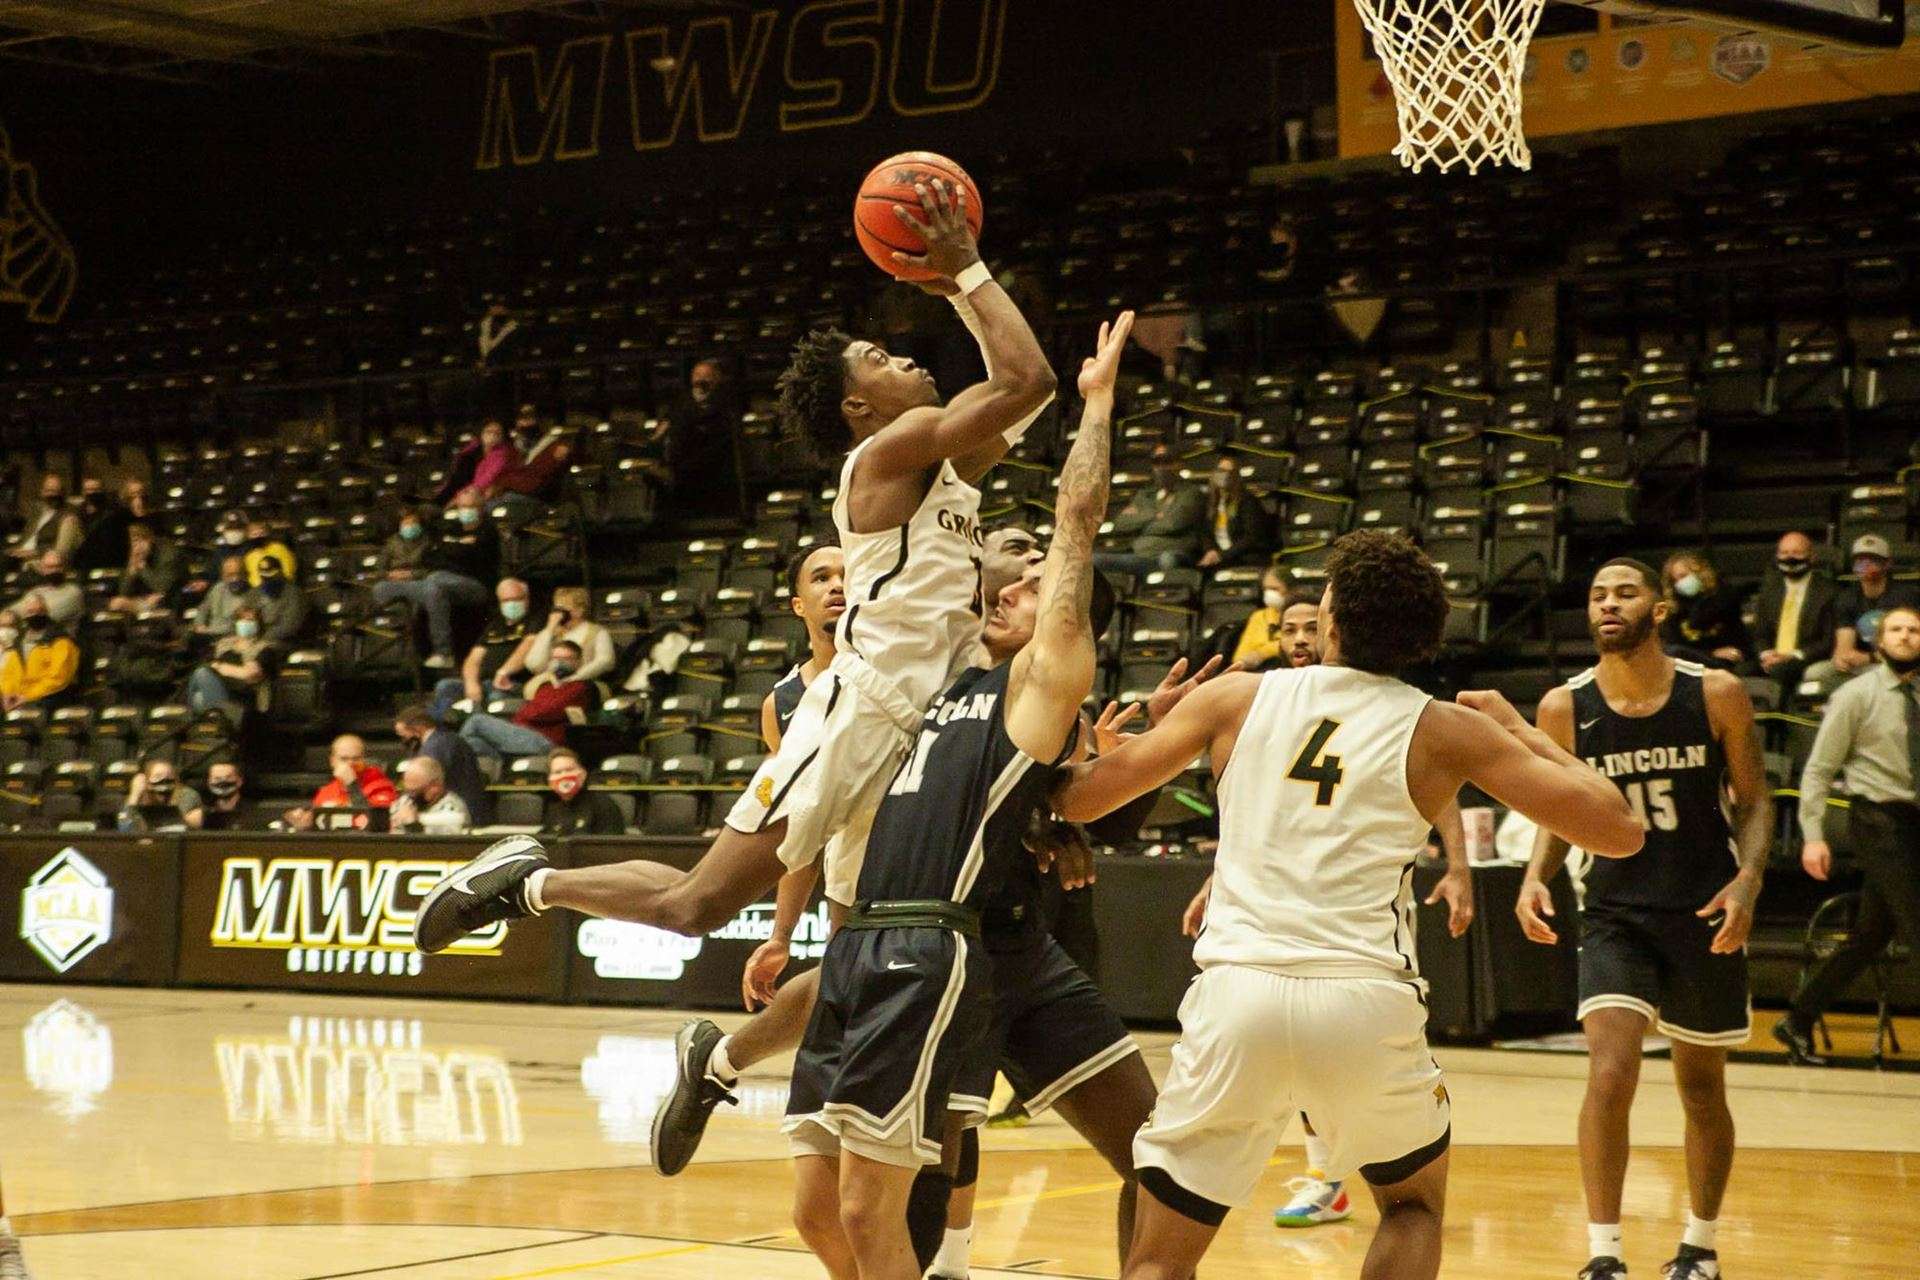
(880, 230)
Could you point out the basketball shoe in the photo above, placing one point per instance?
(1603, 1268)
(1315, 1200)
(1693, 1263)
(491, 888)
(681, 1121)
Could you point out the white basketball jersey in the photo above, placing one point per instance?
(1317, 830)
(913, 591)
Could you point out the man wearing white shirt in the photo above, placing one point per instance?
(425, 804)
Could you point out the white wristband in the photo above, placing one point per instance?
(972, 278)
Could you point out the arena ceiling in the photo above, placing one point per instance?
(194, 40)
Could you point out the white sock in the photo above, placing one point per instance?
(955, 1246)
(535, 883)
(1317, 1155)
(1700, 1233)
(720, 1066)
(6, 1227)
(1603, 1240)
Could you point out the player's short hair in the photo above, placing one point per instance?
(1388, 601)
(811, 389)
(799, 562)
(1296, 597)
(1912, 609)
(1648, 574)
(416, 715)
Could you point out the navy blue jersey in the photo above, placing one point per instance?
(1673, 772)
(951, 825)
(786, 698)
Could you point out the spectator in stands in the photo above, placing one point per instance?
(425, 803)
(571, 620)
(528, 487)
(575, 808)
(54, 527)
(454, 570)
(355, 784)
(215, 613)
(1793, 621)
(106, 537)
(157, 802)
(700, 433)
(1870, 735)
(479, 462)
(40, 670)
(226, 788)
(1857, 612)
(151, 572)
(404, 552)
(1283, 632)
(555, 700)
(497, 660)
(236, 675)
(1166, 522)
(1703, 617)
(54, 587)
(282, 605)
(264, 546)
(1239, 526)
(459, 767)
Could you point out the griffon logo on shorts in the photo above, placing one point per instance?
(66, 910)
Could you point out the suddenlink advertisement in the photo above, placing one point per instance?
(635, 963)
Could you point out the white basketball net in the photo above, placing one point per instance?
(1455, 67)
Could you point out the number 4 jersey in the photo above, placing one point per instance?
(1672, 771)
(1318, 832)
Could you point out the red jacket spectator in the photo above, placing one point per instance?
(546, 711)
(372, 783)
(538, 476)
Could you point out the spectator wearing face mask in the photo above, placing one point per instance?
(281, 603)
(237, 674)
(262, 547)
(571, 620)
(555, 700)
(404, 552)
(39, 671)
(1282, 632)
(497, 660)
(422, 735)
(575, 808)
(700, 433)
(355, 784)
(214, 615)
(1239, 526)
(425, 804)
(224, 809)
(1857, 612)
(55, 588)
(1165, 522)
(1793, 618)
(454, 570)
(531, 485)
(156, 801)
(107, 539)
(54, 526)
(151, 572)
(1703, 617)
(479, 462)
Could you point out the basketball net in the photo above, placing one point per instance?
(1455, 67)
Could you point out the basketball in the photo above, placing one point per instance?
(890, 182)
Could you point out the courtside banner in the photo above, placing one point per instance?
(88, 908)
(335, 913)
(612, 962)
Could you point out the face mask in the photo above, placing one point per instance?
(235, 585)
(271, 587)
(410, 531)
(224, 787)
(566, 788)
(8, 636)
(233, 537)
(1899, 666)
(246, 628)
(1792, 568)
(469, 516)
(513, 610)
(419, 799)
(38, 623)
(1272, 598)
(53, 579)
(161, 789)
(412, 744)
(561, 670)
(1689, 586)
(1165, 477)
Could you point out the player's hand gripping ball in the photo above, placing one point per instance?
(898, 181)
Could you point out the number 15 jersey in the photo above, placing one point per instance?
(1318, 832)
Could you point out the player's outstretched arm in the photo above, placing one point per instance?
(1493, 747)
(1053, 674)
(1019, 379)
(1209, 718)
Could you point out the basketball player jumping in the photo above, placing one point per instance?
(907, 518)
(1663, 938)
(906, 992)
(1317, 1199)
(1308, 997)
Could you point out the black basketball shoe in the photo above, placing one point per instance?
(491, 888)
(1693, 1263)
(1603, 1268)
(1799, 1043)
(681, 1121)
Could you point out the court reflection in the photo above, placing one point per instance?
(69, 1057)
(365, 1080)
(628, 1076)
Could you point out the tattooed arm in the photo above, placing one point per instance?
(1054, 673)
